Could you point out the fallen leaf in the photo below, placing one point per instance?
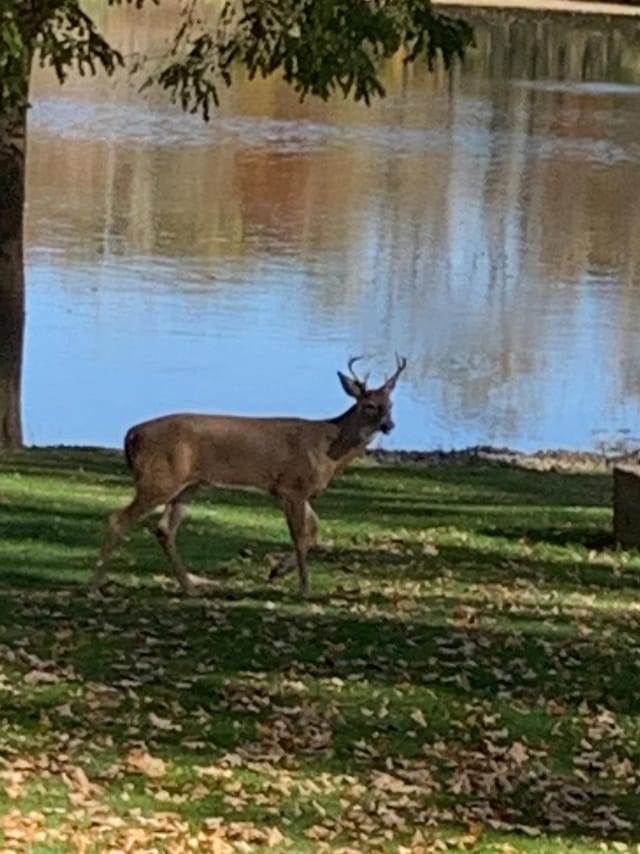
(40, 677)
(144, 763)
(417, 715)
(162, 723)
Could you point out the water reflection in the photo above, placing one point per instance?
(483, 223)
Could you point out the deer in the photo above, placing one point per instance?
(293, 459)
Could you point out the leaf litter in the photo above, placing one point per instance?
(443, 705)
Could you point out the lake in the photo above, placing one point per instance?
(483, 223)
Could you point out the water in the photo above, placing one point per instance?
(484, 224)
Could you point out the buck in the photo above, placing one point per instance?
(293, 459)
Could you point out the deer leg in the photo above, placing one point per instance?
(288, 563)
(303, 527)
(119, 522)
(166, 532)
(312, 525)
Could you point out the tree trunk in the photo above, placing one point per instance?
(12, 303)
(626, 505)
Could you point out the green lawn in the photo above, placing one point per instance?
(466, 676)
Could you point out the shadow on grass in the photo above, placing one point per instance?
(225, 666)
(217, 662)
(90, 463)
(231, 637)
(481, 482)
(521, 507)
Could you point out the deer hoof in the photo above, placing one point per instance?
(282, 566)
(196, 585)
(276, 572)
(191, 591)
(101, 586)
(305, 593)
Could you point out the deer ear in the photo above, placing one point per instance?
(352, 387)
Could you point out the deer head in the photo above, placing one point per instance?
(372, 411)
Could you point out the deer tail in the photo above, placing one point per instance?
(131, 446)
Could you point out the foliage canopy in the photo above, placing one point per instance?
(319, 46)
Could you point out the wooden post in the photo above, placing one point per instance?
(626, 505)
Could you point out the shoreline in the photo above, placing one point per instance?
(543, 460)
(571, 7)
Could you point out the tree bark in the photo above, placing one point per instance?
(12, 295)
(626, 505)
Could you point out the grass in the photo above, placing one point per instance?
(466, 676)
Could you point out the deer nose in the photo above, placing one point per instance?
(387, 426)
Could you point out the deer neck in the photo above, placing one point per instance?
(352, 439)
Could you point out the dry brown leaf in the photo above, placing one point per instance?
(144, 763)
(274, 837)
(417, 715)
(518, 752)
(40, 677)
(163, 724)
(14, 783)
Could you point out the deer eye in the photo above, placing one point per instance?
(371, 409)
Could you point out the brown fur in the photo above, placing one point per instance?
(291, 458)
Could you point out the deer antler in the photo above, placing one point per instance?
(350, 364)
(401, 364)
